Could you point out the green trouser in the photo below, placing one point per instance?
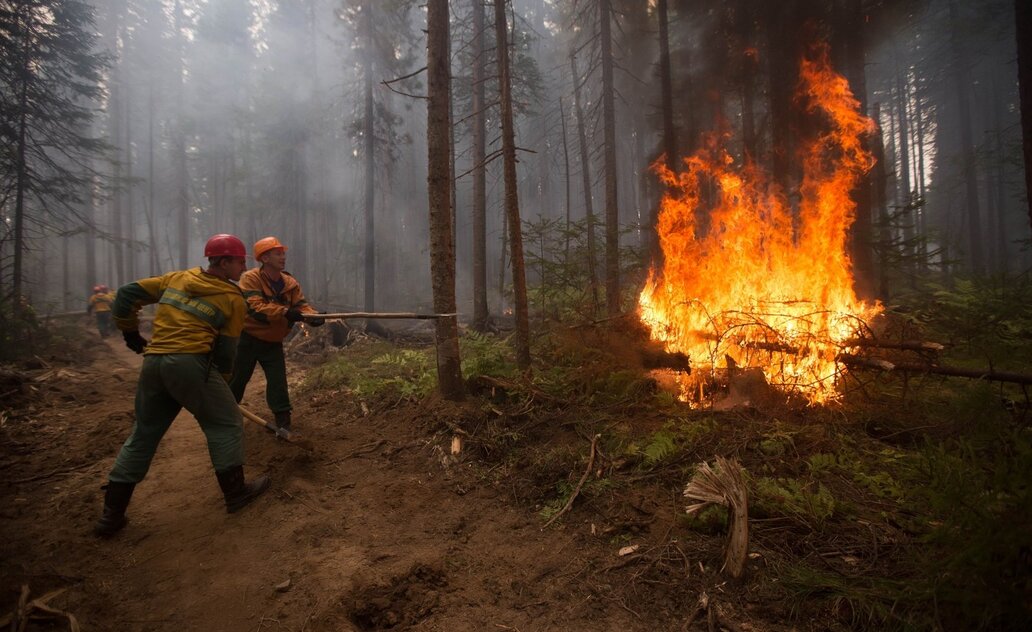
(252, 351)
(169, 383)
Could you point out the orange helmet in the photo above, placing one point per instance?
(224, 245)
(265, 244)
(100, 288)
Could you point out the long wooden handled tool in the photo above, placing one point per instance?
(282, 433)
(376, 315)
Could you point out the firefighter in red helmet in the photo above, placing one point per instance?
(199, 318)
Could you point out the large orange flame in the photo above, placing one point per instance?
(759, 286)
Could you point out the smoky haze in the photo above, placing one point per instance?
(254, 116)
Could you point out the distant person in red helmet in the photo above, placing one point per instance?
(274, 303)
(100, 307)
(196, 327)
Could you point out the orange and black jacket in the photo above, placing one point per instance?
(267, 309)
(197, 313)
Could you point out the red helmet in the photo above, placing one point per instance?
(224, 245)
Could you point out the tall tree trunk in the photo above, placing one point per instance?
(512, 206)
(152, 233)
(369, 130)
(440, 184)
(1023, 30)
(861, 232)
(974, 226)
(878, 190)
(905, 191)
(481, 315)
(182, 186)
(21, 182)
(566, 172)
(115, 123)
(589, 213)
(999, 181)
(749, 55)
(669, 131)
(130, 220)
(609, 133)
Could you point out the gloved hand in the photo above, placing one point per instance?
(293, 315)
(134, 340)
(315, 322)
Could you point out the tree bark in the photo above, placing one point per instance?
(1023, 30)
(512, 208)
(368, 132)
(22, 177)
(589, 213)
(566, 172)
(481, 315)
(612, 257)
(878, 190)
(182, 186)
(669, 131)
(861, 233)
(977, 262)
(439, 184)
(152, 234)
(903, 148)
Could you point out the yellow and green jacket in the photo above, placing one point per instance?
(267, 309)
(101, 302)
(197, 313)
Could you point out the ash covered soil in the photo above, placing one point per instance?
(379, 528)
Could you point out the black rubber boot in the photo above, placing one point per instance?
(116, 500)
(283, 419)
(238, 493)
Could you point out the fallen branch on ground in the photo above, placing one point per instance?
(37, 608)
(580, 484)
(992, 375)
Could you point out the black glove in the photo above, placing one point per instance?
(293, 315)
(315, 322)
(134, 340)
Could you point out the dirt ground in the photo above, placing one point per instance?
(377, 529)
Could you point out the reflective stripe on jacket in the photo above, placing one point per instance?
(197, 313)
(267, 309)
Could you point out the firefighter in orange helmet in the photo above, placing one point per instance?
(274, 303)
(100, 307)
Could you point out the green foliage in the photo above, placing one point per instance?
(806, 501)
(378, 369)
(484, 354)
(711, 520)
(992, 316)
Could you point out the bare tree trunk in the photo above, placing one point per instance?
(609, 132)
(879, 176)
(368, 132)
(903, 147)
(512, 208)
(1023, 29)
(589, 212)
(566, 172)
(977, 263)
(22, 178)
(182, 186)
(749, 59)
(152, 233)
(130, 220)
(481, 315)
(669, 131)
(440, 184)
(861, 232)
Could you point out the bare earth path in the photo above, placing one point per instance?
(371, 530)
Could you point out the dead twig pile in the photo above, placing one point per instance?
(37, 609)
